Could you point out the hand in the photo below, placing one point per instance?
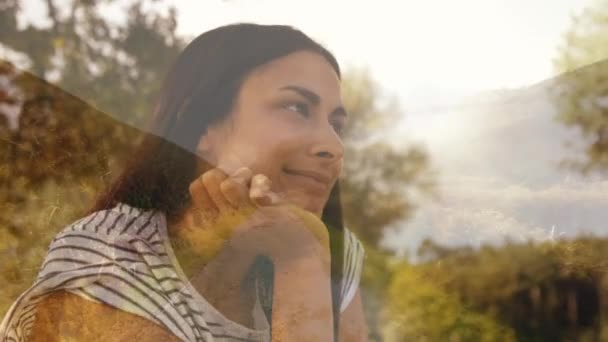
(238, 218)
(240, 212)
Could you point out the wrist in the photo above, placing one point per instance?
(195, 248)
(314, 259)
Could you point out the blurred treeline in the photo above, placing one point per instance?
(74, 97)
(552, 291)
(58, 148)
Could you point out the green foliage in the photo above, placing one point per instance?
(420, 310)
(380, 186)
(116, 67)
(382, 181)
(61, 151)
(581, 93)
(552, 291)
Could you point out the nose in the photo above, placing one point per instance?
(328, 145)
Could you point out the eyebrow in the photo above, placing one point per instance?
(313, 98)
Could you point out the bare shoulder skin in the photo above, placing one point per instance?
(63, 316)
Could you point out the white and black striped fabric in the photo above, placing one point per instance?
(354, 254)
(122, 257)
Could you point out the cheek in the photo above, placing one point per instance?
(262, 152)
(273, 157)
(265, 142)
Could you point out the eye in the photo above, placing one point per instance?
(299, 107)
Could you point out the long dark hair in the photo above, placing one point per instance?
(199, 90)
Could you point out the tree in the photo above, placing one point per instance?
(380, 186)
(381, 181)
(581, 93)
(95, 57)
(53, 164)
(550, 291)
(57, 151)
(421, 310)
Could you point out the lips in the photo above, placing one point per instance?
(317, 176)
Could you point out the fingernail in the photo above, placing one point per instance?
(241, 171)
(260, 181)
(241, 175)
(257, 193)
(263, 200)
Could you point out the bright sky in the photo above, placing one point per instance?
(424, 52)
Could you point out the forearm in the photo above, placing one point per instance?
(302, 306)
(353, 327)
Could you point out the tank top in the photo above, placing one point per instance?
(122, 257)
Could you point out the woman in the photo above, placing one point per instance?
(226, 225)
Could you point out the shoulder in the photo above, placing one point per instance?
(354, 255)
(104, 238)
(121, 220)
(73, 316)
(104, 257)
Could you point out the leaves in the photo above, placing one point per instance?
(381, 186)
(57, 152)
(580, 94)
(423, 311)
(94, 57)
(528, 292)
(382, 182)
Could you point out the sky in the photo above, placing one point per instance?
(418, 50)
(422, 51)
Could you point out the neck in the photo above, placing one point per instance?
(191, 242)
(198, 248)
(197, 239)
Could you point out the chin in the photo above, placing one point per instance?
(309, 201)
(314, 206)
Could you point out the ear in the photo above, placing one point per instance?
(210, 145)
(204, 144)
(204, 149)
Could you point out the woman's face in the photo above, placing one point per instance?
(285, 123)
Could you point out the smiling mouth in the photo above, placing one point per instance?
(311, 177)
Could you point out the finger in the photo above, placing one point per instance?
(243, 176)
(235, 188)
(212, 180)
(202, 201)
(261, 192)
(235, 193)
(267, 198)
(260, 189)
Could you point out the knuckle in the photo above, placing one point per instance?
(207, 178)
(243, 174)
(218, 173)
(228, 185)
(193, 187)
(212, 177)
